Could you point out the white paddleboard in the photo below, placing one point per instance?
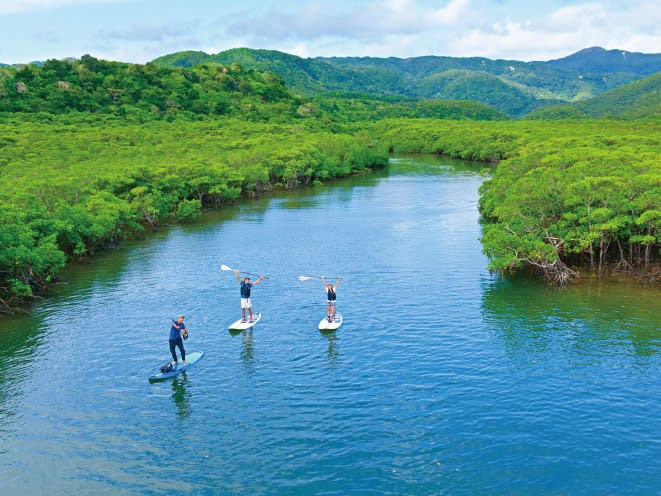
(242, 326)
(324, 325)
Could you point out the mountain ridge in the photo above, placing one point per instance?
(519, 87)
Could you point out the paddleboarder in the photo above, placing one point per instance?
(246, 286)
(177, 332)
(331, 296)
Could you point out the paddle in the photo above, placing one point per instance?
(307, 278)
(225, 267)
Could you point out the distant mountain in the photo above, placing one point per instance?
(634, 100)
(640, 99)
(510, 86)
(597, 60)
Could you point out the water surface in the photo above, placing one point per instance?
(443, 379)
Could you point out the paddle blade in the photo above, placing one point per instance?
(225, 267)
(304, 278)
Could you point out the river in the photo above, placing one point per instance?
(444, 379)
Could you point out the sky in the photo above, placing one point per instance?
(141, 30)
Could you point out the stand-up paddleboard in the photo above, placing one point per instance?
(242, 326)
(191, 359)
(324, 325)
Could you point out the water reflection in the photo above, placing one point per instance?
(332, 352)
(181, 396)
(247, 351)
(584, 320)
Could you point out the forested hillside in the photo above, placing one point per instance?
(207, 90)
(92, 85)
(92, 151)
(512, 87)
(640, 99)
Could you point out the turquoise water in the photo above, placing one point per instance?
(443, 379)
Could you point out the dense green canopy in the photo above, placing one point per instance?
(94, 151)
(570, 192)
(72, 184)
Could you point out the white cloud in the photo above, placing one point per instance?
(15, 6)
(366, 21)
(153, 33)
(453, 12)
(575, 17)
(508, 29)
(565, 31)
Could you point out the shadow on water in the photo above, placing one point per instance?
(584, 319)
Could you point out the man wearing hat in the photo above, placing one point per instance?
(177, 331)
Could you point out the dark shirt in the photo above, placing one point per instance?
(331, 295)
(175, 330)
(245, 289)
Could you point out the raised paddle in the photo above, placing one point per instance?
(225, 267)
(307, 278)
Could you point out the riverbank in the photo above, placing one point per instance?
(75, 184)
(570, 193)
(452, 388)
(563, 194)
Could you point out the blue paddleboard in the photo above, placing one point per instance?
(191, 359)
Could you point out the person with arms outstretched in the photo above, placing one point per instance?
(331, 296)
(246, 286)
(177, 333)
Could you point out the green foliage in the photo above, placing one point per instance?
(77, 182)
(565, 192)
(637, 100)
(355, 109)
(512, 87)
(145, 91)
(93, 151)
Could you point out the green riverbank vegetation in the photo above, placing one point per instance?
(564, 194)
(93, 151)
(74, 184)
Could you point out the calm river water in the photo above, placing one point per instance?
(442, 380)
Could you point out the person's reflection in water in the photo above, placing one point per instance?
(247, 351)
(333, 352)
(181, 396)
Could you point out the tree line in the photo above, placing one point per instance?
(93, 151)
(564, 194)
(76, 183)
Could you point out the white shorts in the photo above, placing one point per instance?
(246, 303)
(331, 303)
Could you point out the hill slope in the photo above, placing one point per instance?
(102, 87)
(637, 100)
(634, 100)
(92, 85)
(512, 87)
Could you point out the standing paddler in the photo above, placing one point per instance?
(246, 286)
(331, 297)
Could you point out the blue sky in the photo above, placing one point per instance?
(140, 30)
